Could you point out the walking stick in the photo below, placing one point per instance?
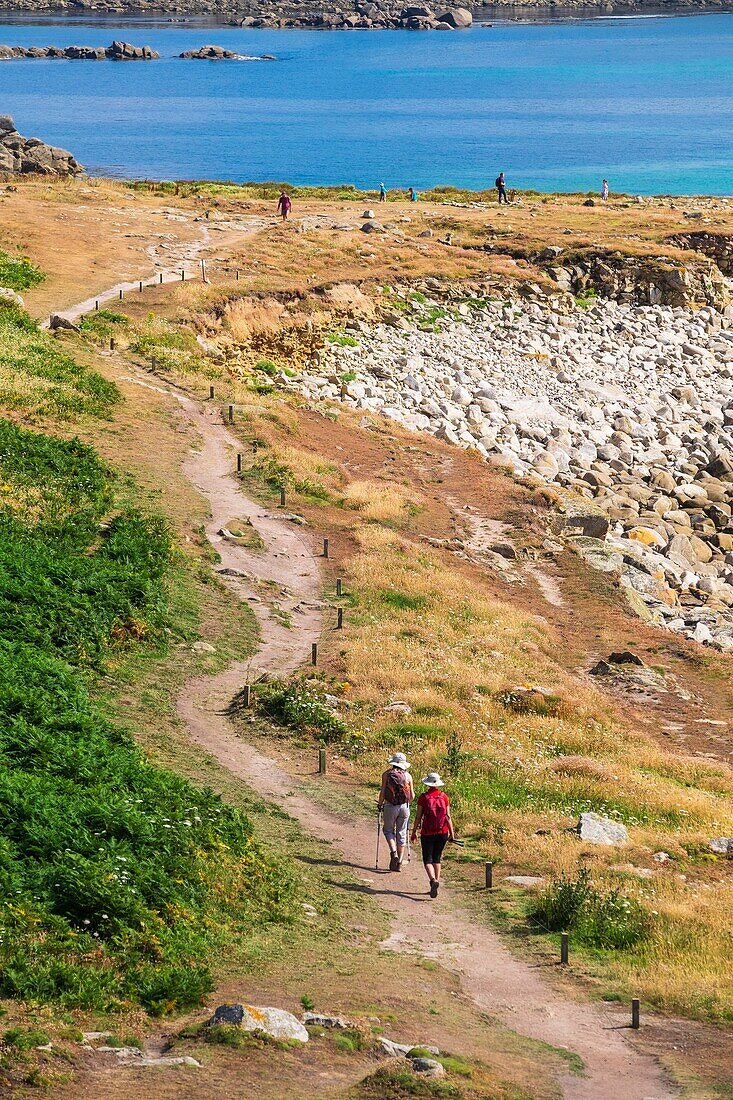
(379, 829)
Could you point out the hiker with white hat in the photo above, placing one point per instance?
(395, 796)
(435, 825)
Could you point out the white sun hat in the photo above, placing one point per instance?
(399, 760)
(432, 779)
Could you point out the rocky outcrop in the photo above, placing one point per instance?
(118, 51)
(641, 280)
(717, 246)
(19, 155)
(218, 53)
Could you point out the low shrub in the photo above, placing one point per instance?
(302, 708)
(604, 918)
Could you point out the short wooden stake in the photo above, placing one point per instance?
(231, 413)
(239, 463)
(140, 287)
(338, 586)
(635, 1012)
(325, 548)
(183, 276)
(282, 496)
(321, 761)
(96, 304)
(81, 319)
(111, 343)
(314, 653)
(564, 944)
(340, 619)
(489, 876)
(246, 695)
(122, 294)
(211, 393)
(153, 363)
(160, 278)
(237, 275)
(203, 270)
(254, 446)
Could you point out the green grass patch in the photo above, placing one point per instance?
(402, 601)
(18, 273)
(38, 379)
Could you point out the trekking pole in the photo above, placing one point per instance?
(379, 829)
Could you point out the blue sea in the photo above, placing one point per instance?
(646, 102)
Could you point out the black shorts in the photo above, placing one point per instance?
(432, 847)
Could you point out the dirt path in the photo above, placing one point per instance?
(284, 577)
(497, 982)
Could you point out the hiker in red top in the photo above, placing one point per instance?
(395, 797)
(284, 205)
(435, 826)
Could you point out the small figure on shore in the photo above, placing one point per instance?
(395, 796)
(284, 205)
(434, 823)
(604, 191)
(382, 193)
(500, 183)
(413, 194)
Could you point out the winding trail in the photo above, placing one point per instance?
(497, 982)
(285, 577)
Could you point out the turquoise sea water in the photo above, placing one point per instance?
(647, 102)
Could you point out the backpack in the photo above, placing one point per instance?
(435, 814)
(395, 791)
(498, 182)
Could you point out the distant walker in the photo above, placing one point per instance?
(500, 184)
(284, 205)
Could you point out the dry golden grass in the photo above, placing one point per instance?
(380, 501)
(421, 634)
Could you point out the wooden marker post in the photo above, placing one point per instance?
(239, 463)
(211, 393)
(140, 287)
(111, 343)
(96, 304)
(314, 653)
(122, 294)
(325, 548)
(282, 496)
(183, 275)
(231, 413)
(246, 695)
(635, 1014)
(160, 278)
(564, 948)
(489, 876)
(340, 619)
(321, 761)
(338, 586)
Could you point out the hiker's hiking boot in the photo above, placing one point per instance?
(434, 888)
(394, 863)
(398, 864)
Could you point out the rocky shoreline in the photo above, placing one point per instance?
(31, 156)
(350, 14)
(623, 411)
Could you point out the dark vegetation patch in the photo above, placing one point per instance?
(118, 880)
